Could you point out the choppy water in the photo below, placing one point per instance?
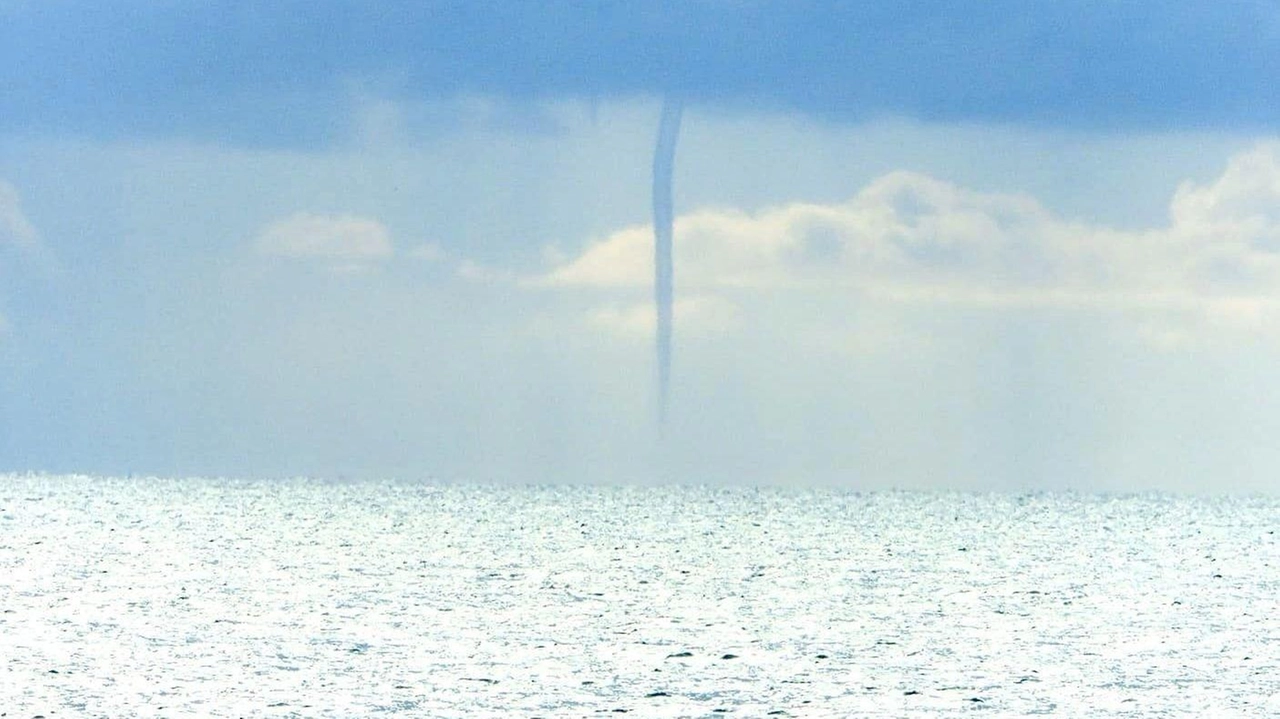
(156, 597)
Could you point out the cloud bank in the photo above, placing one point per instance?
(275, 74)
(911, 238)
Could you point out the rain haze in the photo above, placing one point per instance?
(926, 245)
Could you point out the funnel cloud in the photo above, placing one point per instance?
(664, 155)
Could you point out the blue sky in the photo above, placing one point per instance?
(918, 244)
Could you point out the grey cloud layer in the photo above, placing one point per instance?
(282, 74)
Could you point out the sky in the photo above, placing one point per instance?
(992, 246)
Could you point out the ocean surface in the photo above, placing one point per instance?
(217, 598)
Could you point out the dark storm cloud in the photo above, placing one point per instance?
(280, 74)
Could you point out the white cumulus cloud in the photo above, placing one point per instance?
(909, 237)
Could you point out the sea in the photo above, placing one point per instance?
(161, 597)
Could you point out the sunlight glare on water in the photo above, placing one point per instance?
(193, 597)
